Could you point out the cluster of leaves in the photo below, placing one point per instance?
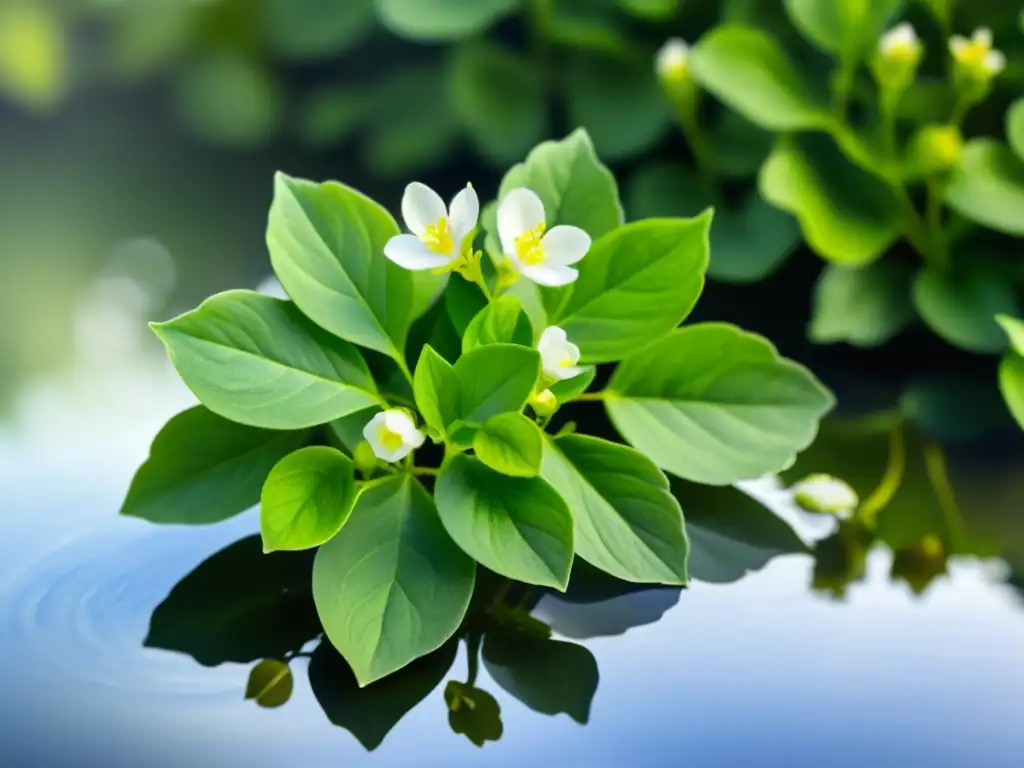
(289, 385)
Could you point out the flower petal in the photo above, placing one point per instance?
(421, 207)
(567, 372)
(958, 44)
(995, 62)
(550, 274)
(553, 336)
(519, 211)
(409, 252)
(464, 214)
(565, 244)
(983, 36)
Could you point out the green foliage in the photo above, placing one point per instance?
(962, 308)
(397, 564)
(306, 499)
(441, 19)
(864, 306)
(988, 187)
(391, 586)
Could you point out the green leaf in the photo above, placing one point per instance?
(961, 308)
(312, 29)
(327, 247)
(627, 522)
(228, 99)
(731, 534)
(270, 683)
(463, 301)
(511, 444)
(748, 242)
(500, 322)
(738, 147)
(1015, 127)
(1011, 384)
(499, 98)
(749, 71)
(306, 499)
(517, 527)
(258, 361)
(847, 215)
(619, 103)
(370, 713)
(203, 468)
(837, 26)
(651, 10)
(239, 605)
(391, 586)
(437, 390)
(714, 404)
(575, 187)
(548, 676)
(1014, 329)
(495, 379)
(636, 284)
(328, 116)
(439, 20)
(566, 389)
(863, 306)
(987, 186)
(473, 712)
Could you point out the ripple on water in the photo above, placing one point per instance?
(82, 610)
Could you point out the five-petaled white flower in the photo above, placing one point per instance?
(671, 60)
(392, 435)
(558, 355)
(900, 44)
(977, 54)
(539, 254)
(438, 232)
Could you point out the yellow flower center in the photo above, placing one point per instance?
(565, 362)
(391, 440)
(973, 54)
(902, 51)
(438, 237)
(529, 248)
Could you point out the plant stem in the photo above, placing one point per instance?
(940, 249)
(588, 397)
(425, 471)
(473, 641)
(891, 480)
(686, 104)
(938, 476)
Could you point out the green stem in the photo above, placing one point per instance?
(588, 397)
(891, 480)
(940, 249)
(473, 642)
(425, 471)
(938, 476)
(843, 86)
(686, 104)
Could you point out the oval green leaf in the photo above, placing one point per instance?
(306, 499)
(270, 684)
(1015, 127)
(511, 444)
(1011, 384)
(495, 379)
(326, 244)
(1014, 329)
(436, 389)
(391, 586)
(500, 322)
(517, 527)
(749, 71)
(714, 404)
(863, 306)
(987, 186)
(203, 468)
(961, 308)
(259, 361)
(438, 20)
(627, 523)
(847, 216)
(311, 29)
(839, 26)
(636, 284)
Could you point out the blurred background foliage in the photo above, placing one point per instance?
(778, 123)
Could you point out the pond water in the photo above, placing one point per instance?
(127, 644)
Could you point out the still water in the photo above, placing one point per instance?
(757, 669)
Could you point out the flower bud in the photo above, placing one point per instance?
(934, 149)
(975, 58)
(897, 57)
(671, 63)
(544, 403)
(826, 495)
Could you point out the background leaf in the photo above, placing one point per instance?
(438, 20)
(840, 25)
(714, 404)
(310, 29)
(259, 361)
(1015, 127)
(987, 186)
(306, 499)
(517, 527)
(863, 306)
(203, 468)
(391, 586)
(961, 308)
(1011, 384)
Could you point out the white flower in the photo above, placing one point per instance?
(542, 256)
(825, 494)
(900, 43)
(670, 61)
(558, 355)
(392, 435)
(977, 53)
(438, 233)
